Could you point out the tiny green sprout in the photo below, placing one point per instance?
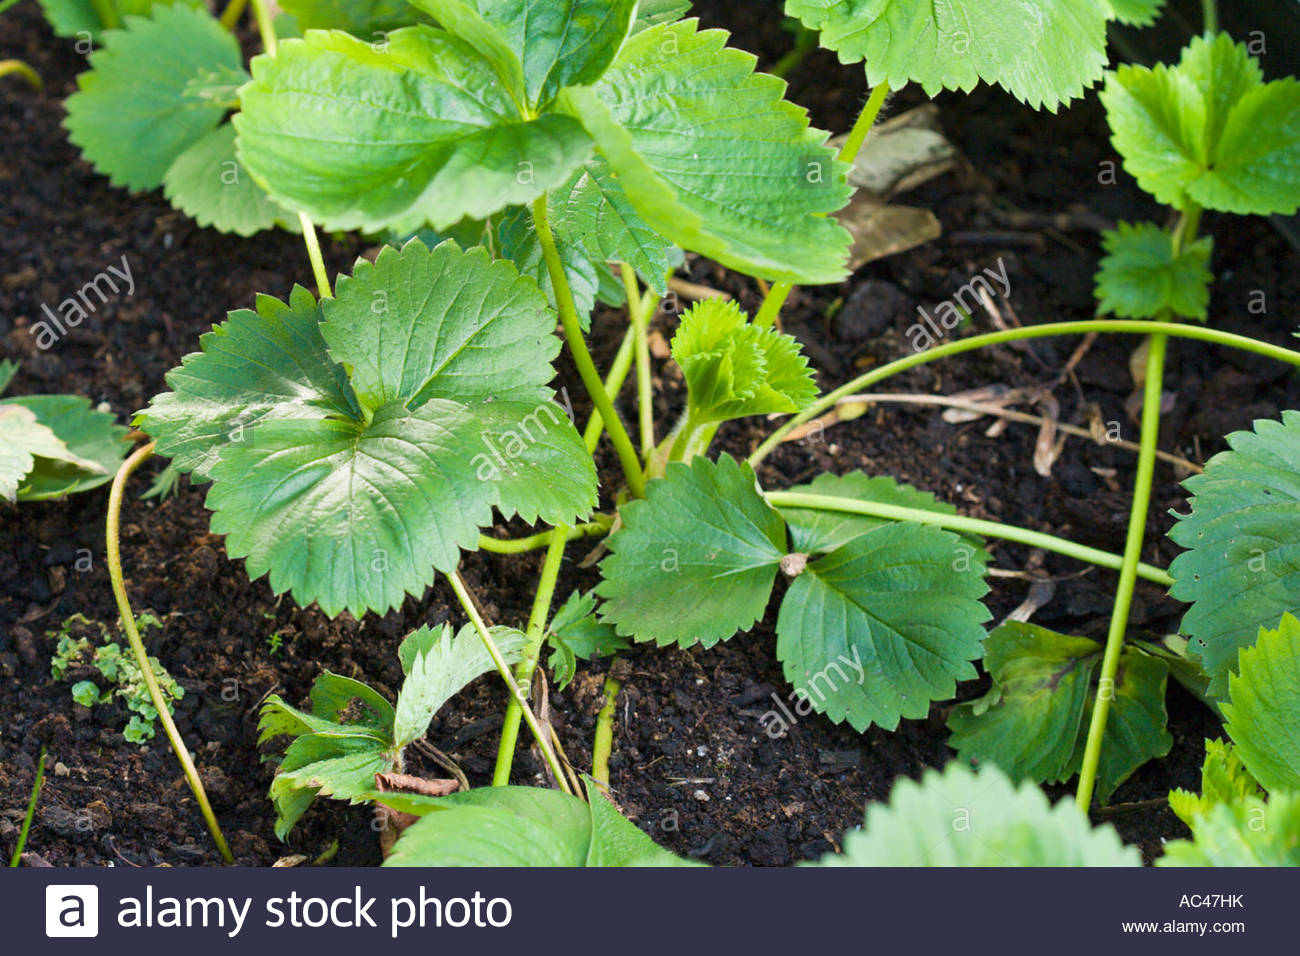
(121, 675)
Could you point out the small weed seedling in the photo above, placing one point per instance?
(121, 676)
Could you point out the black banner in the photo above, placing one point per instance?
(642, 911)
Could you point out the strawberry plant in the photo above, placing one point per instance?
(544, 156)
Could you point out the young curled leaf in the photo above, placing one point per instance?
(734, 369)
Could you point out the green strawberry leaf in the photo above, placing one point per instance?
(337, 747)
(1242, 567)
(94, 446)
(439, 667)
(1142, 277)
(131, 116)
(425, 131)
(208, 184)
(257, 367)
(1263, 709)
(576, 633)
(963, 818)
(694, 561)
(1137, 730)
(651, 13)
(616, 841)
(1043, 52)
(1224, 780)
(350, 476)
(367, 19)
(714, 159)
(519, 244)
(1028, 722)
(593, 209)
(520, 826)
(1249, 833)
(1209, 130)
(72, 18)
(734, 369)
(883, 625)
(493, 826)
(24, 440)
(1136, 13)
(219, 86)
(561, 42)
(814, 531)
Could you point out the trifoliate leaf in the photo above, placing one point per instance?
(1136, 13)
(963, 818)
(1224, 780)
(734, 369)
(93, 439)
(494, 826)
(1142, 277)
(1137, 728)
(130, 115)
(440, 668)
(1029, 721)
(351, 493)
(694, 561)
(1043, 52)
(1263, 712)
(367, 19)
(714, 159)
(814, 531)
(1209, 129)
(1242, 569)
(576, 633)
(424, 131)
(208, 184)
(883, 625)
(72, 18)
(1251, 833)
(561, 42)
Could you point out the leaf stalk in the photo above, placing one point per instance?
(114, 556)
(536, 634)
(516, 692)
(963, 524)
(1123, 326)
(581, 356)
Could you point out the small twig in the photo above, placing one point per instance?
(1119, 809)
(1009, 414)
(443, 761)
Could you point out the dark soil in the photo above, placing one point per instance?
(692, 764)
